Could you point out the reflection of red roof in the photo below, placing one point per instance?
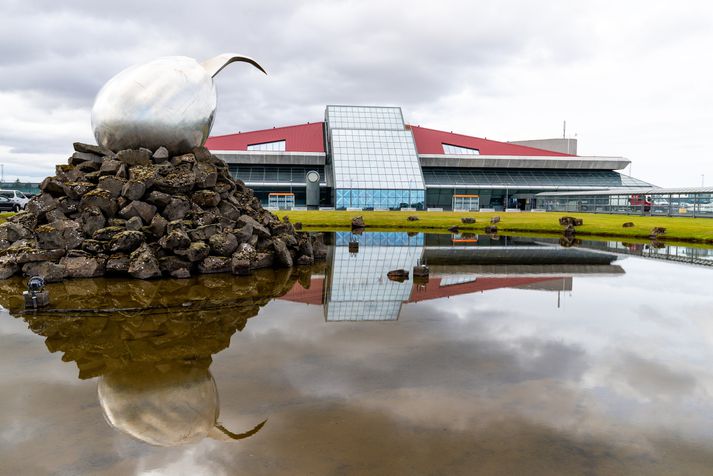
(430, 141)
(432, 290)
(299, 138)
(313, 295)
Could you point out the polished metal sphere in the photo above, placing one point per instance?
(168, 102)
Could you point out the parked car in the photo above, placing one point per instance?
(16, 197)
(6, 205)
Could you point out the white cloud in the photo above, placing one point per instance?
(630, 78)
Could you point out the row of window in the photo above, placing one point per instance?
(391, 199)
(528, 177)
(278, 146)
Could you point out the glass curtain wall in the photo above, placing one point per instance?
(374, 159)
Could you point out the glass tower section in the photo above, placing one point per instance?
(374, 158)
(359, 289)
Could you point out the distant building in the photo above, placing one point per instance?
(368, 157)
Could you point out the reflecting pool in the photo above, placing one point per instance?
(515, 356)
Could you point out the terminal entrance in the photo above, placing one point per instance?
(466, 202)
(281, 200)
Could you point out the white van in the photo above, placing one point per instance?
(16, 197)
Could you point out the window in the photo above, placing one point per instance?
(458, 150)
(278, 146)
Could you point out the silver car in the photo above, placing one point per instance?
(18, 198)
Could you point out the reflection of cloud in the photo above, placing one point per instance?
(651, 379)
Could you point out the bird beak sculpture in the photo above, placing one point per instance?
(170, 102)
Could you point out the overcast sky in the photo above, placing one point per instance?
(631, 78)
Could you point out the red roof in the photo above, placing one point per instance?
(299, 138)
(432, 290)
(430, 141)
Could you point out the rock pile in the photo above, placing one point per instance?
(145, 214)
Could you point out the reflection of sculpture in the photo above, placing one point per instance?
(151, 343)
(166, 407)
(167, 102)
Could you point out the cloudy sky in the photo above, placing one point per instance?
(631, 78)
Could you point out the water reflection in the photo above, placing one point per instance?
(356, 288)
(151, 344)
(495, 379)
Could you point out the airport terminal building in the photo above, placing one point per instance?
(367, 157)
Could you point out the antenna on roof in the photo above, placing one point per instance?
(564, 129)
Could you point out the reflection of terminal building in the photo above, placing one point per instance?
(368, 157)
(355, 286)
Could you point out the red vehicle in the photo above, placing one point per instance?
(639, 200)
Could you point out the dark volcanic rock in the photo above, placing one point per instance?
(143, 263)
(197, 251)
(111, 184)
(175, 240)
(206, 198)
(223, 244)
(215, 264)
(61, 234)
(204, 232)
(126, 241)
(117, 264)
(94, 149)
(134, 156)
(176, 209)
(145, 214)
(160, 155)
(50, 272)
(133, 190)
(140, 209)
(82, 266)
(282, 255)
(102, 199)
(109, 167)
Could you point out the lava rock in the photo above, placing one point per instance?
(197, 251)
(82, 266)
(282, 255)
(126, 241)
(133, 190)
(140, 209)
(223, 244)
(176, 209)
(134, 156)
(143, 263)
(215, 264)
(50, 272)
(175, 240)
(93, 149)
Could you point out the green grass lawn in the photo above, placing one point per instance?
(677, 229)
(4, 216)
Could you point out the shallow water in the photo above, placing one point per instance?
(516, 357)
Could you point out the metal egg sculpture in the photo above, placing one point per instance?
(168, 102)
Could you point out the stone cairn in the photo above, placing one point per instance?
(145, 214)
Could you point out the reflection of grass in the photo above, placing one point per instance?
(5, 216)
(677, 228)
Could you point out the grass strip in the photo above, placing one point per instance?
(681, 229)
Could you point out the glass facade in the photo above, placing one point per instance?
(278, 145)
(374, 159)
(261, 174)
(359, 289)
(528, 178)
(375, 198)
(449, 149)
(364, 117)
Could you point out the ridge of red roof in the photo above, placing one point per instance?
(430, 141)
(307, 137)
